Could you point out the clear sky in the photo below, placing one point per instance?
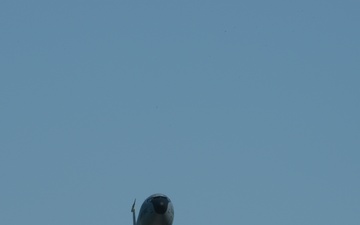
(242, 112)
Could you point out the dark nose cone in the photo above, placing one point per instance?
(160, 204)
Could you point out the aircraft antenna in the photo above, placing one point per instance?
(133, 212)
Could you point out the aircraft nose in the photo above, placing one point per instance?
(160, 204)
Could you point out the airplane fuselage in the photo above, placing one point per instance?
(156, 210)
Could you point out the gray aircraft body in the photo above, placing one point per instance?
(156, 210)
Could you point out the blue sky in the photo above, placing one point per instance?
(242, 112)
